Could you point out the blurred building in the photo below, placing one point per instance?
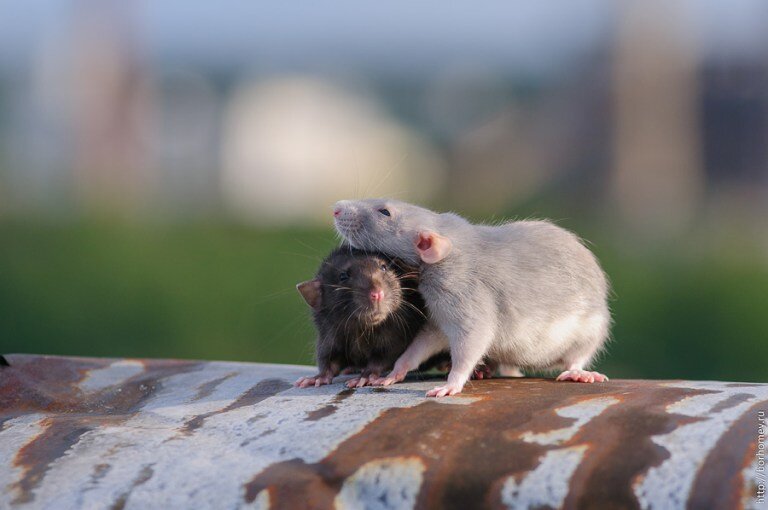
(648, 110)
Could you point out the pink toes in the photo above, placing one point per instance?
(392, 378)
(385, 381)
(482, 372)
(444, 391)
(316, 381)
(359, 382)
(584, 376)
(356, 382)
(305, 382)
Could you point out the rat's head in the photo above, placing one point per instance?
(403, 230)
(354, 288)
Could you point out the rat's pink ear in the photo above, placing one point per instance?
(310, 291)
(432, 247)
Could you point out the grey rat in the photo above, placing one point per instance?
(525, 294)
(366, 310)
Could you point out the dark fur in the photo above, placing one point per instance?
(349, 334)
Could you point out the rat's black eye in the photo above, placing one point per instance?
(343, 276)
(385, 212)
(384, 267)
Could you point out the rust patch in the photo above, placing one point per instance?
(469, 450)
(319, 414)
(99, 472)
(58, 436)
(621, 448)
(343, 395)
(48, 385)
(207, 388)
(262, 390)
(43, 384)
(311, 486)
(267, 432)
(731, 401)
(719, 484)
(255, 418)
(143, 477)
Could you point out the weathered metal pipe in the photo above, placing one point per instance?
(100, 433)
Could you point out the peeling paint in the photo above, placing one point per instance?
(386, 484)
(143, 477)
(581, 413)
(36, 457)
(260, 391)
(669, 484)
(749, 496)
(146, 434)
(261, 502)
(111, 375)
(548, 484)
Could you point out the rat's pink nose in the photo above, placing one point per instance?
(377, 295)
(337, 212)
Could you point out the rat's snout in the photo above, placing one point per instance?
(377, 295)
(343, 210)
(345, 218)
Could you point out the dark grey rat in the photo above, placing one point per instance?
(525, 294)
(367, 310)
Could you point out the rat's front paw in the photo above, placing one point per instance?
(363, 380)
(394, 376)
(315, 380)
(305, 382)
(584, 376)
(445, 391)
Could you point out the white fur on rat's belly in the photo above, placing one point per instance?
(540, 343)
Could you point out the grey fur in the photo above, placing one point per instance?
(526, 294)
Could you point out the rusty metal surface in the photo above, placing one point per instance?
(101, 433)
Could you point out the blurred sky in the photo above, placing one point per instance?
(647, 104)
(427, 35)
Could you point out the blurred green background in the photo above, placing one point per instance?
(167, 169)
(222, 291)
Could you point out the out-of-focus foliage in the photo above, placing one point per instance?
(220, 291)
(204, 291)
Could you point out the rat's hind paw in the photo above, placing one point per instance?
(445, 391)
(584, 376)
(482, 371)
(316, 380)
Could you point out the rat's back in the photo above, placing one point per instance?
(550, 290)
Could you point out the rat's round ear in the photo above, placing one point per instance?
(310, 291)
(432, 247)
